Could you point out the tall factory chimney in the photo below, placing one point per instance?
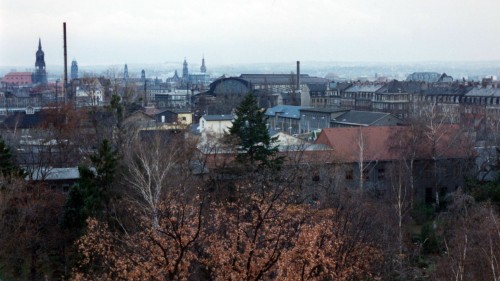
(298, 75)
(65, 63)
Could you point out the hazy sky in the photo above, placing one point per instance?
(248, 31)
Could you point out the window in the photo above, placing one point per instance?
(349, 175)
(366, 174)
(429, 195)
(381, 174)
(30, 110)
(315, 177)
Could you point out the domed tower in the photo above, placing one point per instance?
(185, 72)
(74, 70)
(40, 73)
(203, 68)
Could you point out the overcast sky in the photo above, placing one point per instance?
(249, 31)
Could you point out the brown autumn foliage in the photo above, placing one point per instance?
(322, 252)
(32, 243)
(149, 252)
(259, 237)
(249, 235)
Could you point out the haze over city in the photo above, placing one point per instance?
(258, 31)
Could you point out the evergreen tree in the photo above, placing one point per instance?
(7, 167)
(92, 195)
(249, 132)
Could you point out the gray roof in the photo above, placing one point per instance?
(57, 174)
(340, 86)
(281, 79)
(483, 92)
(287, 111)
(317, 87)
(222, 117)
(175, 110)
(360, 117)
(323, 109)
(363, 88)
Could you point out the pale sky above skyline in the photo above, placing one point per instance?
(249, 31)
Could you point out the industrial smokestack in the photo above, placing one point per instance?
(65, 62)
(298, 75)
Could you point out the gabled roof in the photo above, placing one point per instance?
(363, 88)
(317, 87)
(287, 111)
(365, 118)
(483, 92)
(151, 111)
(379, 143)
(21, 120)
(18, 78)
(54, 174)
(223, 117)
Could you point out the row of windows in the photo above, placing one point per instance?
(349, 175)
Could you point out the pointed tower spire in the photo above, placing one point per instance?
(40, 73)
(203, 68)
(185, 71)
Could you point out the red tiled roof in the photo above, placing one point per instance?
(379, 143)
(18, 78)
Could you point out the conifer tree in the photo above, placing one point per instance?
(93, 193)
(8, 168)
(249, 131)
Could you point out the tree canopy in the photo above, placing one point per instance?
(249, 132)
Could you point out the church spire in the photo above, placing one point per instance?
(203, 68)
(40, 73)
(185, 71)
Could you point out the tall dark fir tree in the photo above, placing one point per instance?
(249, 132)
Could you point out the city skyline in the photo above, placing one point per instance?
(227, 32)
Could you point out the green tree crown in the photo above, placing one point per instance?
(249, 131)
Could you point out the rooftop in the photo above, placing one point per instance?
(287, 111)
(223, 117)
(361, 117)
(363, 88)
(281, 79)
(483, 92)
(378, 143)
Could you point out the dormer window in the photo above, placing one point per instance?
(30, 110)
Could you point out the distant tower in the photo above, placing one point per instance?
(203, 68)
(74, 70)
(143, 75)
(125, 72)
(185, 72)
(40, 74)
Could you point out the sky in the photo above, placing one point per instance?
(114, 32)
